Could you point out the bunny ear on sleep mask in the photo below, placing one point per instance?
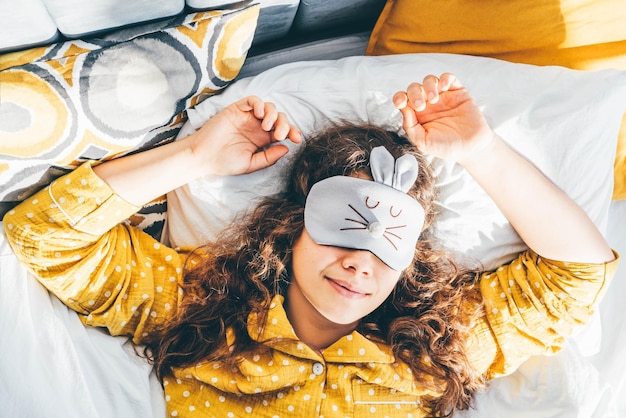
(377, 216)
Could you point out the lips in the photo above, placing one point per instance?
(346, 290)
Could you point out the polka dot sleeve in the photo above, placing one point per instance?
(531, 306)
(71, 236)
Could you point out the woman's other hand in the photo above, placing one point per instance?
(441, 118)
(242, 138)
(239, 139)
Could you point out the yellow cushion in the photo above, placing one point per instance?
(579, 34)
(98, 98)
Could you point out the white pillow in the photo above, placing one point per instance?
(565, 121)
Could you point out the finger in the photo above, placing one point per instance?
(414, 130)
(281, 127)
(270, 116)
(257, 106)
(431, 88)
(416, 97)
(267, 157)
(409, 121)
(295, 135)
(409, 118)
(449, 81)
(249, 103)
(400, 100)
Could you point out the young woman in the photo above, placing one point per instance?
(329, 300)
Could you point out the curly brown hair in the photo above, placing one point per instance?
(425, 320)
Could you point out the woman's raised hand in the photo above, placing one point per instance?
(237, 139)
(441, 118)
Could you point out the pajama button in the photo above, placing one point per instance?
(318, 368)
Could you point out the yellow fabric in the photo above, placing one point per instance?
(123, 296)
(531, 305)
(353, 377)
(94, 99)
(579, 34)
(118, 277)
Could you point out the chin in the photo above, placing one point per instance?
(342, 320)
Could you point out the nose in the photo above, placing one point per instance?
(361, 262)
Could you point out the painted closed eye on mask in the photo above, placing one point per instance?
(380, 221)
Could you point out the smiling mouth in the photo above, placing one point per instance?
(346, 291)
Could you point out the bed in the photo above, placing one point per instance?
(567, 119)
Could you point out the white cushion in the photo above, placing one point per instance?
(25, 23)
(78, 18)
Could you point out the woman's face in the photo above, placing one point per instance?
(342, 285)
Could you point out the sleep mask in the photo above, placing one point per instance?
(377, 216)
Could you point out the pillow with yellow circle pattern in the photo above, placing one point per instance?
(102, 97)
(578, 34)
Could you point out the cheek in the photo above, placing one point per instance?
(387, 284)
(304, 256)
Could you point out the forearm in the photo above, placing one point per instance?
(548, 221)
(142, 177)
